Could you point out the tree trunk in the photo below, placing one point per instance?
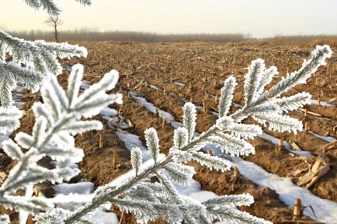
(56, 34)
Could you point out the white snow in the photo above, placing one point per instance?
(237, 105)
(326, 210)
(108, 112)
(275, 141)
(85, 84)
(131, 141)
(69, 196)
(322, 103)
(153, 87)
(176, 124)
(152, 108)
(79, 188)
(325, 138)
(68, 67)
(120, 179)
(80, 193)
(179, 84)
(193, 190)
(103, 215)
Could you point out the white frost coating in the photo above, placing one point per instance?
(131, 173)
(152, 108)
(276, 141)
(325, 138)
(322, 103)
(250, 89)
(3, 138)
(326, 210)
(81, 193)
(193, 188)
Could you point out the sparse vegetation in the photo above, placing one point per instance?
(225, 119)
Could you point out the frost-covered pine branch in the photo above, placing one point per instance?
(9, 119)
(31, 63)
(228, 133)
(51, 7)
(58, 120)
(265, 106)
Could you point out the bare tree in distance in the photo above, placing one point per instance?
(54, 21)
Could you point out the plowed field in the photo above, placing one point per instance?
(167, 75)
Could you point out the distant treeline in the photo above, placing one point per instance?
(92, 35)
(302, 38)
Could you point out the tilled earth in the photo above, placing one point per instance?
(202, 69)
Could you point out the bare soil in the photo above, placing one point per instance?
(202, 68)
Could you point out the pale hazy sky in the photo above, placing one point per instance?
(259, 18)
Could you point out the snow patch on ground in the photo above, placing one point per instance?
(131, 173)
(108, 112)
(322, 103)
(150, 107)
(79, 188)
(153, 87)
(85, 85)
(176, 124)
(325, 138)
(193, 190)
(131, 141)
(81, 193)
(179, 84)
(103, 215)
(275, 141)
(326, 210)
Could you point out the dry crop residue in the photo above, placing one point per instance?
(202, 68)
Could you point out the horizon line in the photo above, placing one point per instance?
(96, 30)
